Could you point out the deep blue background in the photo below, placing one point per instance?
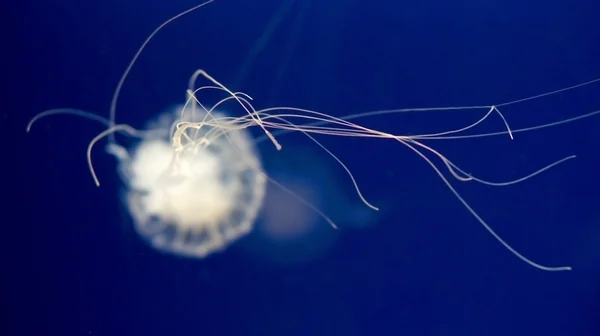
(426, 267)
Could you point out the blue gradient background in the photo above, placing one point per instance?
(423, 267)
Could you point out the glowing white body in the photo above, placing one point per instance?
(197, 200)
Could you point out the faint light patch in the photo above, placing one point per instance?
(285, 218)
(289, 232)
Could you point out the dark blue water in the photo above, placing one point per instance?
(421, 266)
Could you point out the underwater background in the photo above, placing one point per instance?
(422, 265)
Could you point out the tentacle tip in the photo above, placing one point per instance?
(559, 269)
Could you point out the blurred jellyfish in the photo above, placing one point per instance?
(189, 191)
(195, 183)
(199, 199)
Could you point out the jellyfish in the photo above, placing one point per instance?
(194, 183)
(195, 197)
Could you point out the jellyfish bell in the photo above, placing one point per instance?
(199, 198)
